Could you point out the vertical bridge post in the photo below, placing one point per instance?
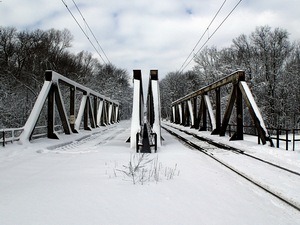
(145, 128)
(137, 108)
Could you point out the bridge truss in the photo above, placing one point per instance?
(193, 108)
(95, 109)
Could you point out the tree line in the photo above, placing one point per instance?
(272, 65)
(26, 55)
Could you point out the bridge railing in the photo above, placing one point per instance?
(295, 138)
(277, 134)
(194, 108)
(94, 110)
(10, 135)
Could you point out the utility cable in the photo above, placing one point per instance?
(83, 31)
(91, 31)
(181, 70)
(207, 29)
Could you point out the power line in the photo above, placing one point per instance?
(181, 70)
(83, 31)
(91, 31)
(203, 35)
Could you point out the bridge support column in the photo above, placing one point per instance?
(239, 134)
(196, 123)
(180, 113)
(204, 116)
(191, 113)
(173, 118)
(99, 114)
(146, 128)
(137, 108)
(54, 96)
(218, 111)
(51, 114)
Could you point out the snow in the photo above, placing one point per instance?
(285, 185)
(73, 181)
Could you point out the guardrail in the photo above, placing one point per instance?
(278, 137)
(10, 135)
(13, 134)
(277, 134)
(294, 137)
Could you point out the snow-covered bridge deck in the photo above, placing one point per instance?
(78, 182)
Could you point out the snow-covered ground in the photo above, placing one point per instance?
(48, 182)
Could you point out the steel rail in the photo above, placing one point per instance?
(226, 147)
(245, 176)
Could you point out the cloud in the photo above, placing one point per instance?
(150, 34)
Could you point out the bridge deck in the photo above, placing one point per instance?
(82, 183)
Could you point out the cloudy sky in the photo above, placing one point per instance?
(151, 34)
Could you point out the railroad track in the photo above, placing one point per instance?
(272, 178)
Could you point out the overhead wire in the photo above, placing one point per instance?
(83, 31)
(206, 30)
(90, 30)
(209, 37)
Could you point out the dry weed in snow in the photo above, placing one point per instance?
(142, 168)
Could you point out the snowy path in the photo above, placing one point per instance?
(76, 184)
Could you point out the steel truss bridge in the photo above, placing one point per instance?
(95, 109)
(195, 110)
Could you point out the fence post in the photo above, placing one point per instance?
(3, 132)
(137, 142)
(277, 138)
(155, 141)
(12, 136)
(293, 139)
(287, 140)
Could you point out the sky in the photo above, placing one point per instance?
(151, 34)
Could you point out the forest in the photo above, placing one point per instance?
(26, 55)
(271, 63)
